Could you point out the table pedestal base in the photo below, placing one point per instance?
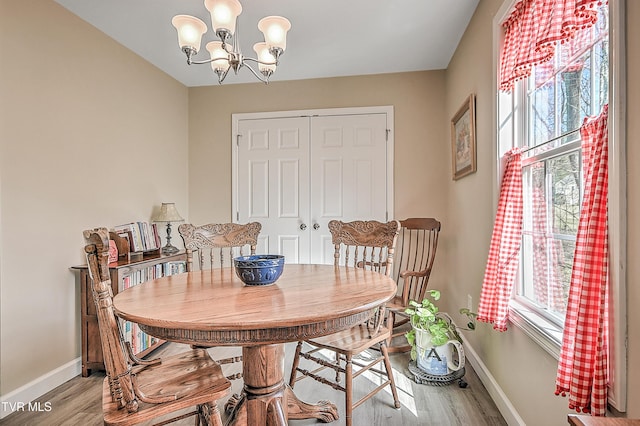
(266, 399)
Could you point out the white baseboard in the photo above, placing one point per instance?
(33, 390)
(505, 407)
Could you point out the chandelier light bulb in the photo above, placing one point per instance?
(275, 30)
(219, 57)
(267, 62)
(224, 14)
(190, 31)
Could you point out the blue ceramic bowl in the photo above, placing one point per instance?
(259, 269)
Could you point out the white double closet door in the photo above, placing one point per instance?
(295, 171)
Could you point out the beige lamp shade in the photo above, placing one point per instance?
(190, 30)
(223, 14)
(275, 30)
(168, 213)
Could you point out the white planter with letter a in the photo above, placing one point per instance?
(438, 360)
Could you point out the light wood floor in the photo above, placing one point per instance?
(78, 402)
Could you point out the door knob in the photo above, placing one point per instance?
(303, 226)
(316, 226)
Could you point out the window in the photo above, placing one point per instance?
(540, 115)
(557, 96)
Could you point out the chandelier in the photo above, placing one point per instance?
(225, 53)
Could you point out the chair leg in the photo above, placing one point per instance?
(392, 325)
(294, 367)
(208, 415)
(348, 387)
(387, 366)
(391, 319)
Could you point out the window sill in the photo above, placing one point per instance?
(546, 334)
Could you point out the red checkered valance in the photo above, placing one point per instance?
(533, 28)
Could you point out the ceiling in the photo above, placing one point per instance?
(328, 38)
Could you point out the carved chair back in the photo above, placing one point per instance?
(365, 244)
(116, 360)
(148, 389)
(216, 244)
(415, 254)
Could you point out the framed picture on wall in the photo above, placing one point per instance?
(463, 139)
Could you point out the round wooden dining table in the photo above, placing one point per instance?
(215, 308)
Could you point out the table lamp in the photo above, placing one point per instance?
(168, 214)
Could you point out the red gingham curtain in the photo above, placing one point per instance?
(502, 263)
(583, 364)
(532, 30)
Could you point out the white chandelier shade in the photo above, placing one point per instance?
(217, 51)
(275, 30)
(190, 31)
(224, 14)
(226, 53)
(264, 58)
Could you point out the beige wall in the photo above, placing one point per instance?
(420, 142)
(91, 135)
(62, 114)
(525, 373)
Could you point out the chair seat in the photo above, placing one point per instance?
(352, 341)
(192, 377)
(396, 305)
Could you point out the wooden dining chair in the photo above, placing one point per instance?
(361, 244)
(214, 245)
(415, 254)
(135, 390)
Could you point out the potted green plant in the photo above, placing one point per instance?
(433, 335)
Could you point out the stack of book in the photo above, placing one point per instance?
(138, 339)
(142, 236)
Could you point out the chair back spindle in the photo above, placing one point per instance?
(365, 244)
(216, 244)
(416, 252)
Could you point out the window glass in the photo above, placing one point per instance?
(558, 96)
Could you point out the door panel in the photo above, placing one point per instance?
(273, 183)
(330, 177)
(259, 184)
(348, 174)
(288, 177)
(296, 174)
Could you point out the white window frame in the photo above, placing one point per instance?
(508, 129)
